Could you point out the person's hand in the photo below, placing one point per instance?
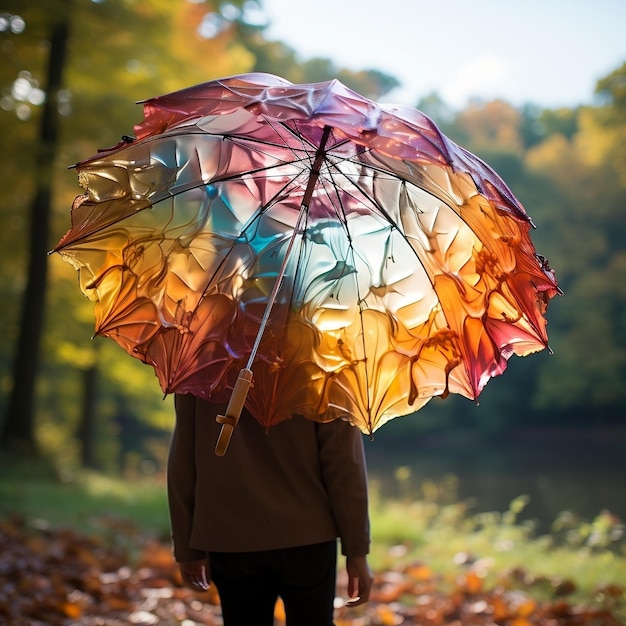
(195, 574)
(359, 580)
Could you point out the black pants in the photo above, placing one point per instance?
(250, 582)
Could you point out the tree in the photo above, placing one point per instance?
(18, 424)
(275, 57)
(116, 53)
(585, 381)
(50, 25)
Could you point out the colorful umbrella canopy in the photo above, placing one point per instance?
(344, 256)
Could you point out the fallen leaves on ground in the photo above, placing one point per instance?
(60, 577)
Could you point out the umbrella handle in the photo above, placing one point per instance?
(233, 411)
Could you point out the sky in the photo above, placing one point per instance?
(546, 52)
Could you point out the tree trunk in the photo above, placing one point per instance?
(18, 432)
(86, 430)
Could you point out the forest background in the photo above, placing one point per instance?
(70, 74)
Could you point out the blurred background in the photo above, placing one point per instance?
(536, 89)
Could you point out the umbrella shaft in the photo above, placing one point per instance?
(304, 207)
(275, 288)
(320, 155)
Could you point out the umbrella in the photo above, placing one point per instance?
(301, 249)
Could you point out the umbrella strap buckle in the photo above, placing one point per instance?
(226, 419)
(233, 410)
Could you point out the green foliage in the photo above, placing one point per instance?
(612, 90)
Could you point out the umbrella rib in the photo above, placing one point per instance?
(280, 194)
(342, 218)
(386, 215)
(300, 137)
(375, 203)
(276, 197)
(306, 158)
(304, 141)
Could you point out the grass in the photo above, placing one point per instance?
(430, 528)
(86, 501)
(580, 559)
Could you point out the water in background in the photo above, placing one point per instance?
(581, 471)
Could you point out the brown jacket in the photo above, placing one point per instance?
(298, 483)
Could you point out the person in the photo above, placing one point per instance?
(262, 521)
